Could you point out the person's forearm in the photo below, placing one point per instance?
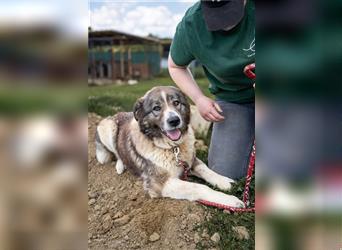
(185, 81)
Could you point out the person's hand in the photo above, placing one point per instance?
(209, 109)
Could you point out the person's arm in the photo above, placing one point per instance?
(182, 76)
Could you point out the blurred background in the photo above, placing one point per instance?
(298, 125)
(44, 73)
(43, 124)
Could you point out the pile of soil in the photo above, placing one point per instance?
(122, 216)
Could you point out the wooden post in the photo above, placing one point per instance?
(122, 63)
(113, 62)
(146, 61)
(93, 65)
(130, 70)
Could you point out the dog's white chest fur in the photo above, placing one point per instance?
(162, 156)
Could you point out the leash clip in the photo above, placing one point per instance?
(176, 153)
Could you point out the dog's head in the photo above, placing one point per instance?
(163, 112)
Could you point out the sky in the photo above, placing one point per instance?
(142, 18)
(70, 17)
(139, 17)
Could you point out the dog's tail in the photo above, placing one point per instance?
(105, 140)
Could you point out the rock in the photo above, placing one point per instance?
(118, 215)
(91, 202)
(97, 207)
(122, 195)
(205, 234)
(108, 190)
(132, 197)
(197, 238)
(154, 237)
(122, 221)
(226, 211)
(92, 195)
(194, 218)
(106, 222)
(215, 237)
(241, 232)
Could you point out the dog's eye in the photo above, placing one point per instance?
(176, 103)
(156, 108)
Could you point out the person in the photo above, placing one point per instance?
(220, 35)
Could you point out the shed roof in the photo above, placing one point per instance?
(115, 37)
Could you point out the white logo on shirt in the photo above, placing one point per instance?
(251, 49)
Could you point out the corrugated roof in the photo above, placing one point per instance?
(119, 35)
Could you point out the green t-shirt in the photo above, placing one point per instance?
(223, 54)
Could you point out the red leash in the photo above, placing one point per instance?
(245, 193)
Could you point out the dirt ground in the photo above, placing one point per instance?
(121, 216)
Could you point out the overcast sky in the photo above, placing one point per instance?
(138, 17)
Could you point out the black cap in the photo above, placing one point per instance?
(220, 14)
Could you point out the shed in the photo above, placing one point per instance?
(115, 55)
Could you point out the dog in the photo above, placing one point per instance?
(146, 142)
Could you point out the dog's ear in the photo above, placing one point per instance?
(185, 102)
(138, 109)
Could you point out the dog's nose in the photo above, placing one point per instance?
(173, 121)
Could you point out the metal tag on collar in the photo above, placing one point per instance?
(176, 153)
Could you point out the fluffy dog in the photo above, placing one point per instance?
(145, 141)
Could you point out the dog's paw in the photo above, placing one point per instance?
(120, 168)
(235, 202)
(224, 183)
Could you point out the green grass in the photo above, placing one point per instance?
(107, 100)
(52, 100)
(222, 222)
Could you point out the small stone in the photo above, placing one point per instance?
(194, 218)
(122, 221)
(91, 202)
(226, 211)
(132, 197)
(197, 238)
(118, 215)
(205, 234)
(92, 195)
(106, 222)
(154, 237)
(215, 237)
(241, 232)
(97, 207)
(122, 195)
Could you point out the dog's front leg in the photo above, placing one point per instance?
(202, 171)
(178, 189)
